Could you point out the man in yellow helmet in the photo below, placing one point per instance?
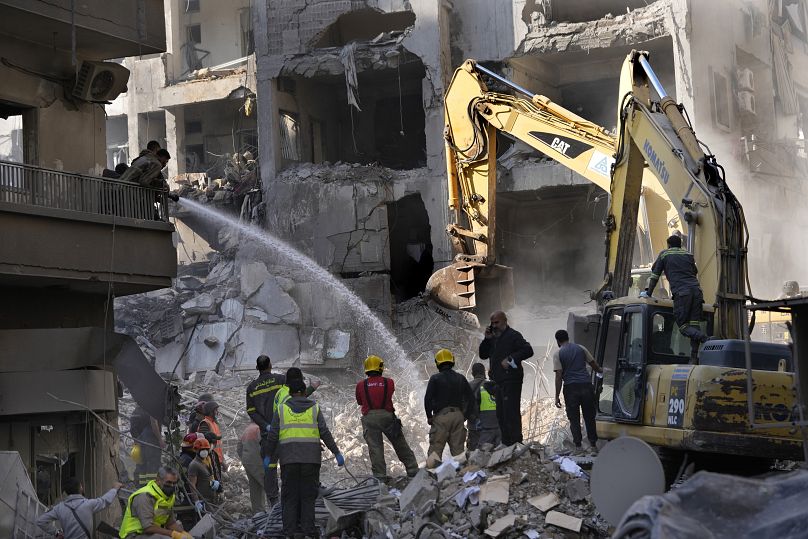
(374, 395)
(448, 401)
(150, 510)
(296, 431)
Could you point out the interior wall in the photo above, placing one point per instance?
(411, 261)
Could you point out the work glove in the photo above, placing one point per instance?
(558, 403)
(340, 459)
(511, 362)
(215, 485)
(181, 535)
(269, 428)
(267, 462)
(645, 294)
(200, 506)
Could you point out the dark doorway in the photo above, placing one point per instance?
(410, 246)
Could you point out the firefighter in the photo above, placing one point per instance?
(680, 269)
(374, 395)
(210, 430)
(296, 432)
(200, 475)
(260, 401)
(448, 401)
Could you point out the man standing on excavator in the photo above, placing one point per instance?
(680, 269)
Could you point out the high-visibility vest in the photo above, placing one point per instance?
(487, 402)
(280, 398)
(298, 427)
(163, 505)
(214, 428)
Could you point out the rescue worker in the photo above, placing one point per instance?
(146, 170)
(680, 269)
(149, 443)
(187, 453)
(487, 423)
(249, 451)
(75, 513)
(505, 348)
(200, 475)
(448, 401)
(150, 510)
(209, 428)
(296, 432)
(198, 414)
(260, 405)
(472, 425)
(374, 395)
(292, 373)
(569, 364)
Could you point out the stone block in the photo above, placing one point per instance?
(577, 489)
(281, 343)
(201, 304)
(420, 490)
(202, 357)
(253, 275)
(189, 282)
(318, 304)
(312, 342)
(279, 306)
(233, 309)
(338, 344)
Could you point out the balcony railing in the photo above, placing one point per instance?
(35, 186)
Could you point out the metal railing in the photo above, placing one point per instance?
(36, 186)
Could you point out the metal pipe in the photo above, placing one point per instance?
(652, 77)
(747, 348)
(503, 80)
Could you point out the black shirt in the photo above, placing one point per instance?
(495, 349)
(261, 395)
(679, 267)
(448, 388)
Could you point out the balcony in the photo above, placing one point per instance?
(103, 29)
(82, 232)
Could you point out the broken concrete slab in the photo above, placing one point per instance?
(202, 304)
(279, 342)
(233, 309)
(562, 520)
(501, 525)
(501, 455)
(279, 306)
(312, 342)
(544, 502)
(338, 344)
(252, 276)
(420, 490)
(577, 489)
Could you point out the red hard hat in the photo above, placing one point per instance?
(189, 440)
(201, 443)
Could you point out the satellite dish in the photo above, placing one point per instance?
(625, 470)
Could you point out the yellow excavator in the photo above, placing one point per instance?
(649, 390)
(474, 115)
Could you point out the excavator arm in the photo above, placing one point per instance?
(473, 117)
(657, 133)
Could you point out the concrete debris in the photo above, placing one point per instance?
(544, 502)
(496, 489)
(640, 25)
(577, 489)
(328, 62)
(502, 524)
(421, 490)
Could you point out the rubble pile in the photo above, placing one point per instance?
(511, 492)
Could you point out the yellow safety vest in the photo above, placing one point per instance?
(280, 398)
(163, 505)
(487, 402)
(298, 427)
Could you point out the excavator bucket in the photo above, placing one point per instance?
(472, 287)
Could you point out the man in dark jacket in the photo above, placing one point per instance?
(448, 401)
(680, 269)
(505, 348)
(478, 377)
(296, 432)
(260, 396)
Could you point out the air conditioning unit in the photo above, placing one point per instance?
(100, 82)
(746, 79)
(746, 102)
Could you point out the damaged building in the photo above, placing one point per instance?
(71, 242)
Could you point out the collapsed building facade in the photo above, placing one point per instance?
(71, 242)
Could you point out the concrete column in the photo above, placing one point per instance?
(133, 130)
(175, 140)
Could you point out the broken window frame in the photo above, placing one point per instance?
(720, 99)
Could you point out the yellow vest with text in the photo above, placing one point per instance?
(298, 427)
(487, 402)
(281, 397)
(163, 505)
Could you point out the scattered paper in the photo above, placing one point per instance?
(502, 524)
(468, 477)
(561, 520)
(532, 534)
(468, 494)
(544, 502)
(395, 492)
(496, 489)
(568, 465)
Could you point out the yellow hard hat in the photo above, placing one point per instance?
(136, 455)
(443, 356)
(374, 364)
